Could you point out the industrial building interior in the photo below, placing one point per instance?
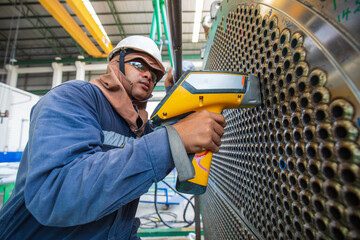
(287, 168)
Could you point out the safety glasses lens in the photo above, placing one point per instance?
(138, 65)
(141, 67)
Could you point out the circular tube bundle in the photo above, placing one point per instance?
(288, 169)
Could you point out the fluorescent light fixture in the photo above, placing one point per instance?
(197, 19)
(96, 18)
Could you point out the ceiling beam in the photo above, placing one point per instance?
(87, 19)
(110, 35)
(4, 43)
(116, 17)
(99, 14)
(55, 8)
(9, 4)
(87, 60)
(105, 25)
(39, 25)
(72, 46)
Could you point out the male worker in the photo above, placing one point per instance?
(91, 153)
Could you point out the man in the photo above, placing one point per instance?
(91, 152)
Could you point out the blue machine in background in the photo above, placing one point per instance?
(165, 194)
(10, 156)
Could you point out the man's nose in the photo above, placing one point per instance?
(147, 75)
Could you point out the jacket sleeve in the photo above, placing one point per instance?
(70, 181)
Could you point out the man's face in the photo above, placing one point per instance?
(141, 77)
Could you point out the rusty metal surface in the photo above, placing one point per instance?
(288, 169)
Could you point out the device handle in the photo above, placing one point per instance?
(201, 163)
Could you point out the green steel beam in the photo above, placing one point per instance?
(166, 232)
(4, 39)
(2, 45)
(116, 18)
(82, 26)
(11, 5)
(166, 27)
(159, 88)
(156, 6)
(45, 47)
(189, 54)
(38, 92)
(79, 48)
(99, 14)
(87, 60)
(110, 35)
(49, 61)
(160, 13)
(144, 12)
(141, 23)
(39, 24)
(153, 27)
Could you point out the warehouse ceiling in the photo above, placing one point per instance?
(30, 34)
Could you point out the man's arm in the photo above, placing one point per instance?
(70, 180)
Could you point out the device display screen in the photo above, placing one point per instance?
(219, 82)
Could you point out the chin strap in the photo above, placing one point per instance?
(122, 61)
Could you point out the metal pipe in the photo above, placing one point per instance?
(156, 5)
(175, 23)
(318, 202)
(197, 218)
(166, 30)
(153, 27)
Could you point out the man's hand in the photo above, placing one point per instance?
(169, 81)
(201, 131)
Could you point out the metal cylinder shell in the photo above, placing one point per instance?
(306, 129)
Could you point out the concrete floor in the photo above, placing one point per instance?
(150, 220)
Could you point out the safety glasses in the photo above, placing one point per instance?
(143, 68)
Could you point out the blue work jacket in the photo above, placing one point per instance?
(83, 170)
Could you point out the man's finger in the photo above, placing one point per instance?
(214, 148)
(219, 118)
(217, 139)
(218, 129)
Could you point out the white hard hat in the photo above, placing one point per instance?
(139, 43)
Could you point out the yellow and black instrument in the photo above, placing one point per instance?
(205, 90)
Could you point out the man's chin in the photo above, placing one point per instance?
(140, 97)
(140, 93)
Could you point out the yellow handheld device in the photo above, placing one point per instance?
(205, 90)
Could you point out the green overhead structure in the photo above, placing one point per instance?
(30, 14)
(160, 13)
(87, 60)
(116, 14)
